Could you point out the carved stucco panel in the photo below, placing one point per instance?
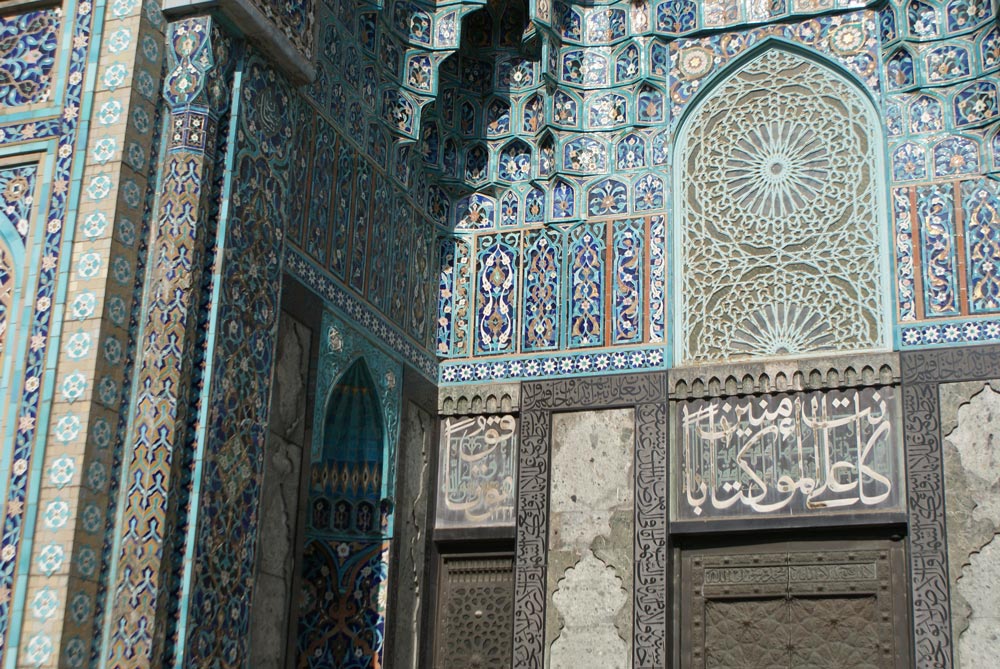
(779, 236)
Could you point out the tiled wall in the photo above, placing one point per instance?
(514, 174)
(485, 188)
(78, 141)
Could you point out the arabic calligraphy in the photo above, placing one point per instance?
(784, 575)
(476, 473)
(789, 453)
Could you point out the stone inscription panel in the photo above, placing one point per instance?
(788, 454)
(476, 471)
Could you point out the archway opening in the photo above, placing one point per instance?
(344, 564)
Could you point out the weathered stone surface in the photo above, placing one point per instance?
(415, 443)
(952, 397)
(279, 500)
(290, 378)
(979, 585)
(270, 631)
(276, 550)
(970, 419)
(279, 507)
(587, 596)
(590, 570)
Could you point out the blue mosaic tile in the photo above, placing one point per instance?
(30, 41)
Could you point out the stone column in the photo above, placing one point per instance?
(153, 485)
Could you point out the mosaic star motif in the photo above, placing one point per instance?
(778, 283)
(778, 167)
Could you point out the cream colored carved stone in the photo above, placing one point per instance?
(588, 598)
(972, 488)
(780, 234)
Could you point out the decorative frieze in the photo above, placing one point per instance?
(486, 398)
(801, 374)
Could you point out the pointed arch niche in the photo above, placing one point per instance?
(344, 561)
(345, 483)
(781, 242)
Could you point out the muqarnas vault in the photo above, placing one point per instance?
(359, 333)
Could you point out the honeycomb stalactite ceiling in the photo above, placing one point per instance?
(589, 47)
(539, 141)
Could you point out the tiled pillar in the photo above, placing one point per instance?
(58, 598)
(153, 487)
(217, 585)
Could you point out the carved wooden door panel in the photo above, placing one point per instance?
(475, 612)
(786, 605)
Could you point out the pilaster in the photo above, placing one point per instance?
(216, 586)
(196, 94)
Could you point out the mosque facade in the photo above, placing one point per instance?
(499, 333)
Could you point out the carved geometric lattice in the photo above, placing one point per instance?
(828, 608)
(780, 215)
(829, 632)
(475, 612)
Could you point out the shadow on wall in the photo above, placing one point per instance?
(345, 561)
